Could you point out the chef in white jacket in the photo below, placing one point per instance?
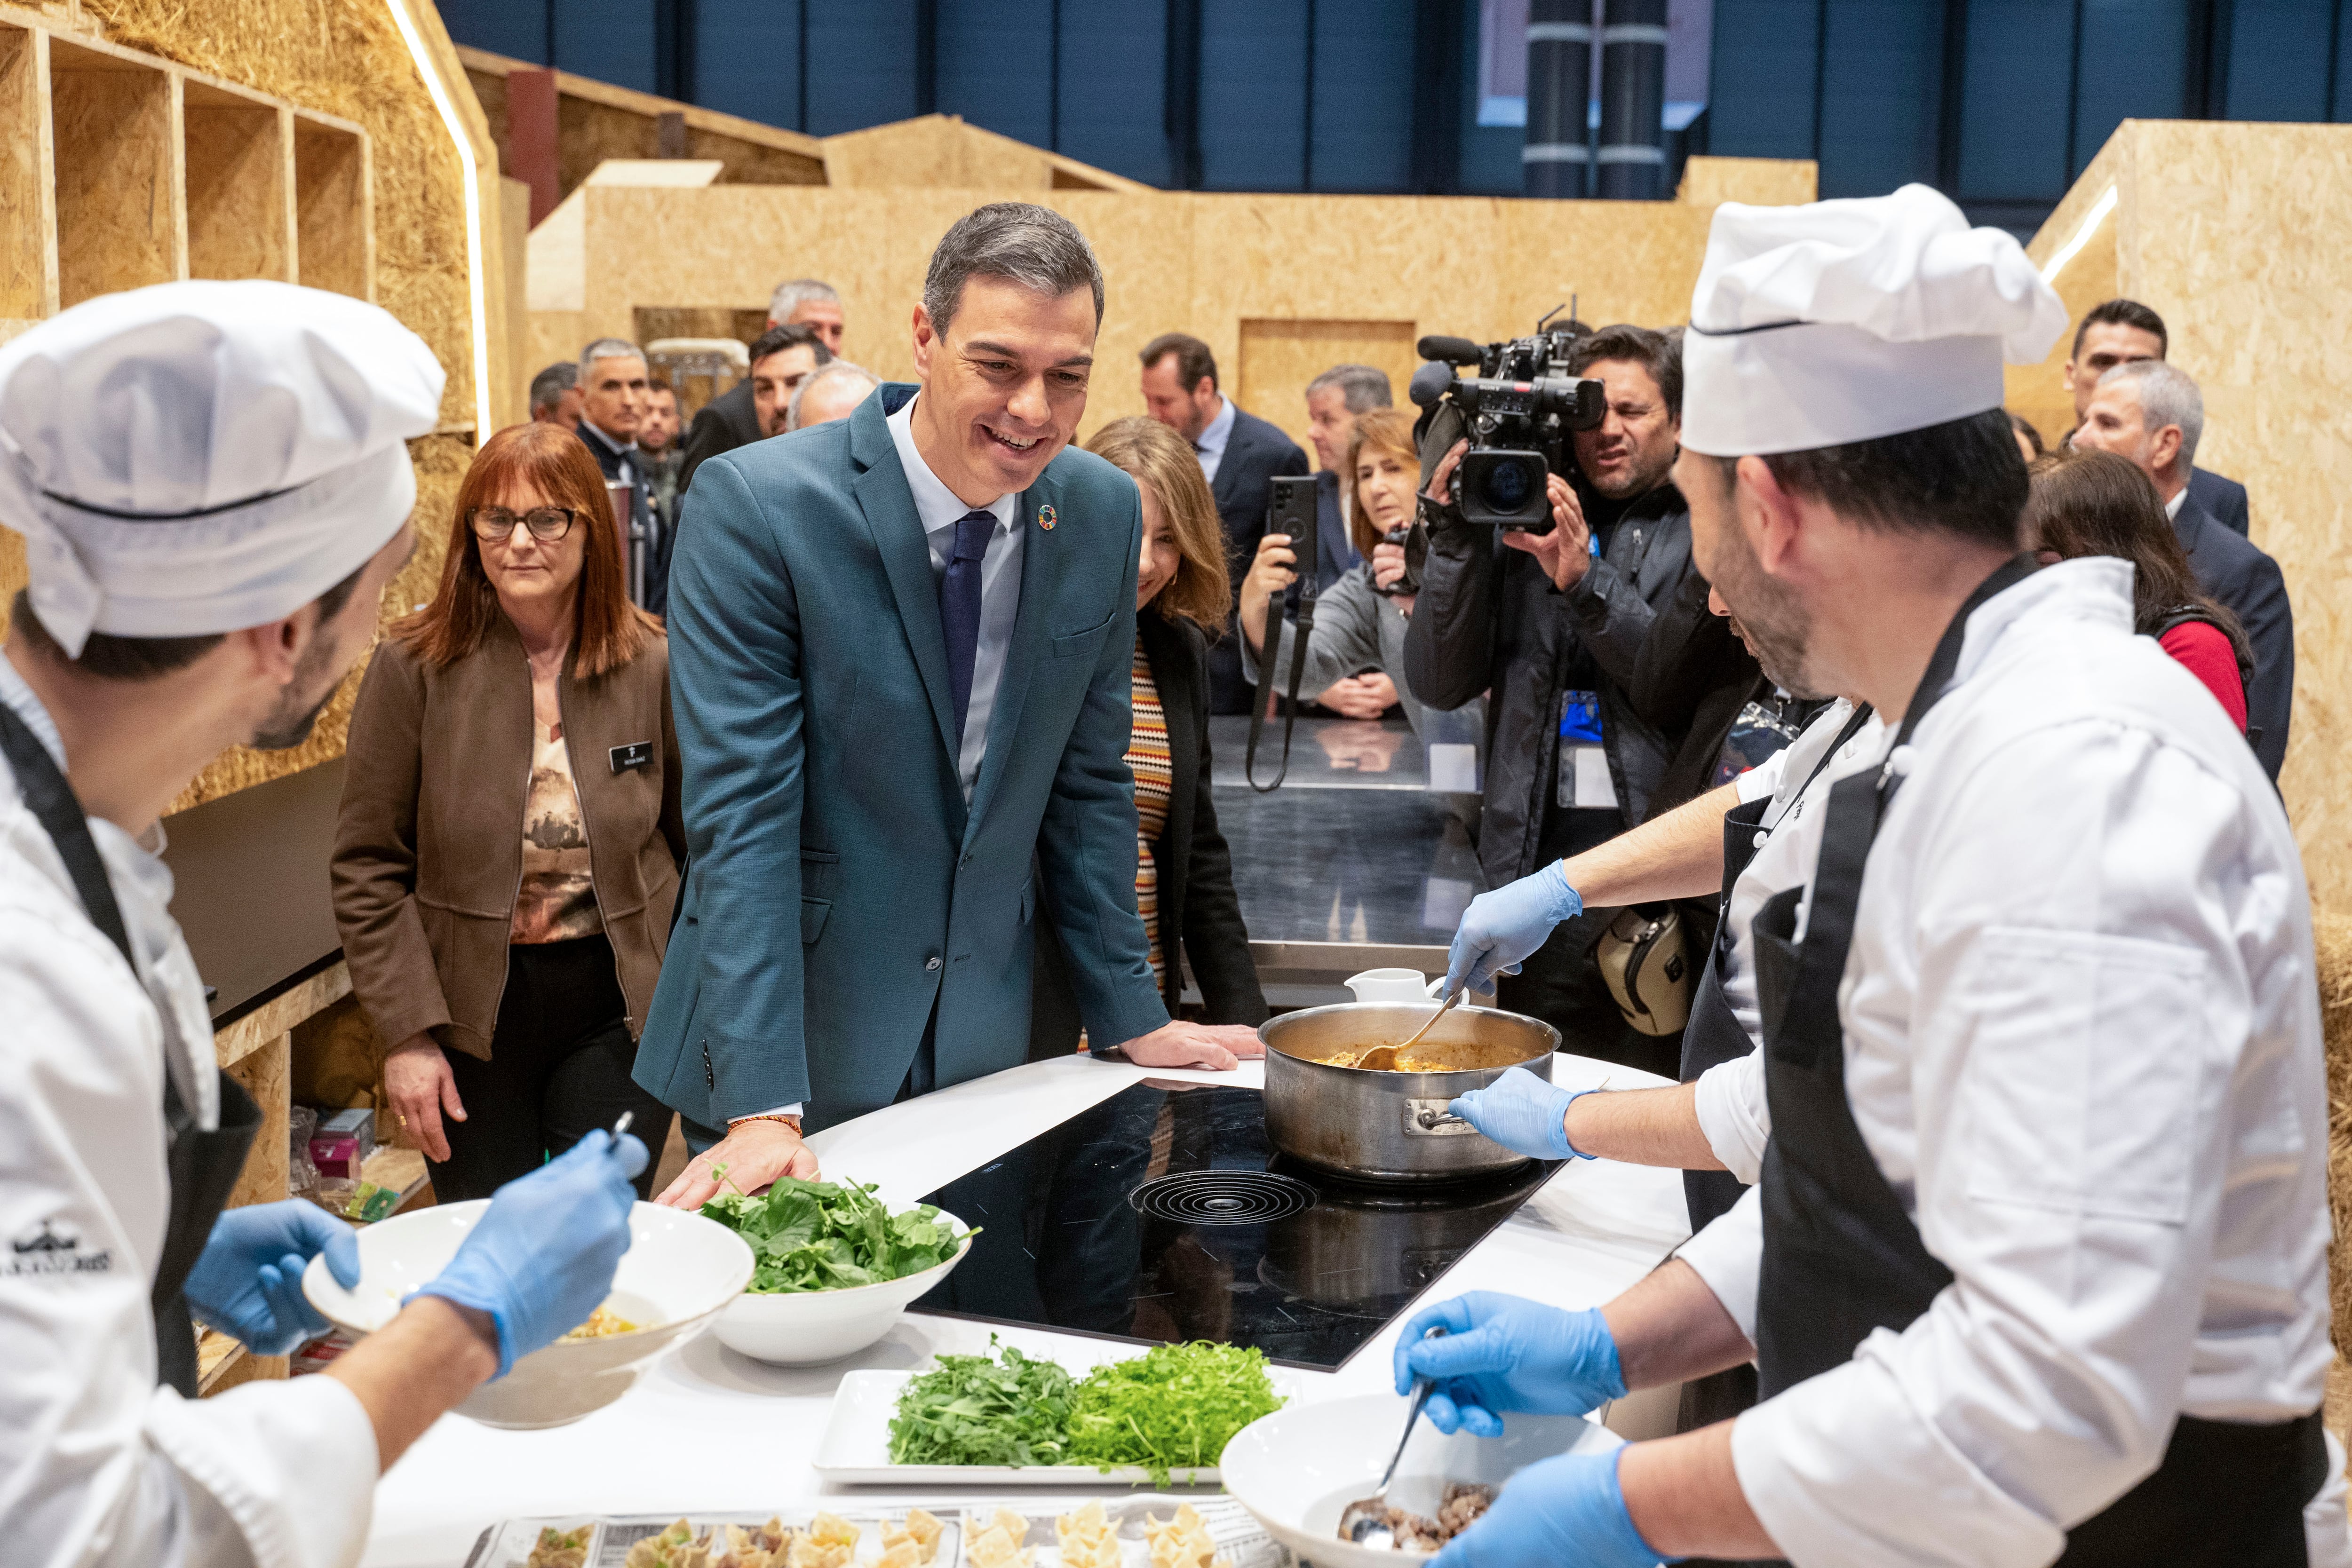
(213, 486)
(2037, 1269)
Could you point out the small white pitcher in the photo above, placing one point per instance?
(1391, 986)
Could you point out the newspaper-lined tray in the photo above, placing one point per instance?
(1239, 1542)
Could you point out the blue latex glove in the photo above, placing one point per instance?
(247, 1281)
(1523, 1114)
(1505, 1353)
(1567, 1511)
(541, 1257)
(1501, 928)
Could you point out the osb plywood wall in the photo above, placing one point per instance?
(2219, 226)
(343, 58)
(1362, 271)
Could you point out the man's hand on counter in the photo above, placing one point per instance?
(1219, 1047)
(755, 1153)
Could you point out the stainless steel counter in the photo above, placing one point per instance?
(1352, 864)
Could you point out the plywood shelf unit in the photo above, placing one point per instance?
(120, 169)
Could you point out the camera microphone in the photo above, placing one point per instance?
(1429, 384)
(1450, 350)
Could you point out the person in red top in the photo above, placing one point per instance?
(2095, 503)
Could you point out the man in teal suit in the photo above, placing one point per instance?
(900, 648)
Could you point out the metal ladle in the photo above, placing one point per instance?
(1365, 1521)
(1383, 1058)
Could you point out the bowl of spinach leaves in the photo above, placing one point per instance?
(833, 1268)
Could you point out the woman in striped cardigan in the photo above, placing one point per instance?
(1183, 873)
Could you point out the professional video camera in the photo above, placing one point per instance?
(1518, 413)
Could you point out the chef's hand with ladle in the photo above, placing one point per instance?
(1502, 928)
(1502, 1352)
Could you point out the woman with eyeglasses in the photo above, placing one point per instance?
(508, 852)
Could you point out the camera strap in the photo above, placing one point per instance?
(1303, 627)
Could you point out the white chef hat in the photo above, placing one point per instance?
(1843, 321)
(200, 457)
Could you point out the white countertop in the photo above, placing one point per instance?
(705, 1429)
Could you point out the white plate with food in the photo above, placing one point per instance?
(680, 1270)
(1034, 1417)
(1297, 1470)
(1147, 1531)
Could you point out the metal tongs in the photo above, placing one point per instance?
(1383, 1058)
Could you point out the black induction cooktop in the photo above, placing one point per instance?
(1163, 1215)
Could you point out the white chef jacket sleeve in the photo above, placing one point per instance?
(1729, 1255)
(1763, 781)
(1733, 1116)
(2078, 1022)
(97, 1464)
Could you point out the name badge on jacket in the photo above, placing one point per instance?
(636, 754)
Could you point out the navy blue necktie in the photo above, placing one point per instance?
(959, 610)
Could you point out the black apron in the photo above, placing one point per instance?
(1841, 1259)
(204, 1166)
(1714, 1036)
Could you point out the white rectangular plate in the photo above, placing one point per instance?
(855, 1447)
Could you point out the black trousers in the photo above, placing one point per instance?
(560, 1061)
(1560, 981)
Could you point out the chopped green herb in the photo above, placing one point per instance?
(1173, 1408)
(832, 1236)
(980, 1410)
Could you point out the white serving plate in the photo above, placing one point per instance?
(855, 1447)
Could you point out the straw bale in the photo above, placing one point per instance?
(2332, 940)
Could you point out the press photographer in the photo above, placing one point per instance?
(1552, 623)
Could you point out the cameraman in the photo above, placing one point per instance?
(1551, 625)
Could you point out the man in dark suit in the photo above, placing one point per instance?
(615, 393)
(2117, 332)
(901, 657)
(1240, 454)
(732, 419)
(2153, 414)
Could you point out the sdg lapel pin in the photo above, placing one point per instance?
(1046, 518)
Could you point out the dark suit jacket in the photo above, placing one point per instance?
(1199, 913)
(727, 422)
(843, 897)
(659, 536)
(2237, 573)
(2223, 500)
(1254, 454)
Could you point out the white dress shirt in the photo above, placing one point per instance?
(1000, 582)
(97, 1465)
(1211, 444)
(1730, 1095)
(2082, 1043)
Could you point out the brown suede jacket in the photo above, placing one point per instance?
(429, 846)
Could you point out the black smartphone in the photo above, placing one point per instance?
(1290, 510)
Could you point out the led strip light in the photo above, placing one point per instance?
(2082, 235)
(476, 303)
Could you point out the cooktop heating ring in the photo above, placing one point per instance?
(1222, 1198)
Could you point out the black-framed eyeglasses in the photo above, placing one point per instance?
(547, 524)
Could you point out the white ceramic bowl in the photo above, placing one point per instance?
(679, 1270)
(1299, 1468)
(802, 1328)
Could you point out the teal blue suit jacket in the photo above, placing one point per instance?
(839, 888)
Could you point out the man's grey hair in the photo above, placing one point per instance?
(2166, 396)
(790, 296)
(1361, 386)
(1034, 246)
(548, 387)
(832, 371)
(608, 349)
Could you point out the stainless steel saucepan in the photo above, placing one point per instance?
(1392, 1126)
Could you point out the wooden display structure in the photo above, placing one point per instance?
(119, 169)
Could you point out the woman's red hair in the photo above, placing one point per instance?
(609, 631)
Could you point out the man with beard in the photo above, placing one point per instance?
(2038, 1262)
(215, 489)
(1552, 625)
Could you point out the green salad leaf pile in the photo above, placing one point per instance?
(983, 1410)
(832, 1236)
(1174, 1407)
